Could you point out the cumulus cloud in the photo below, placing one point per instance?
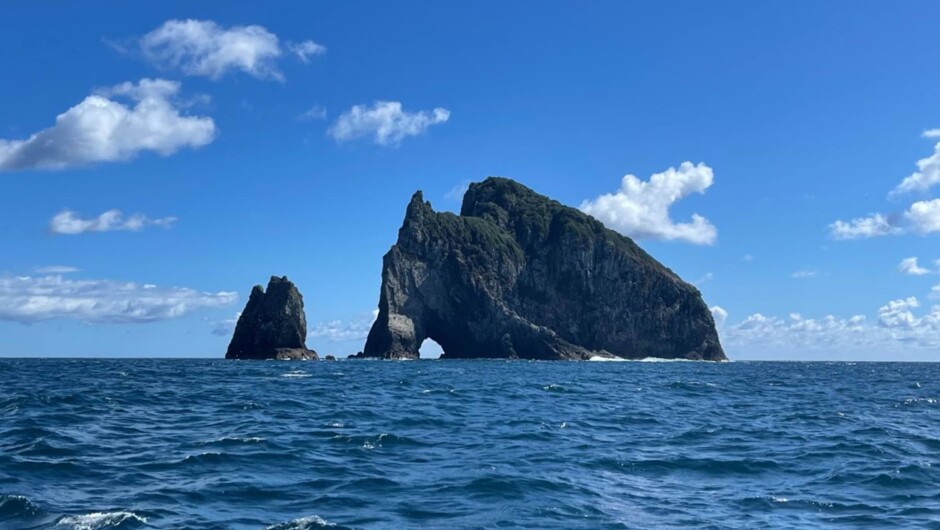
(898, 313)
(900, 328)
(874, 225)
(719, 314)
(935, 292)
(68, 222)
(203, 48)
(641, 209)
(385, 122)
(306, 49)
(339, 331)
(910, 266)
(57, 269)
(928, 171)
(923, 217)
(28, 299)
(795, 331)
(104, 129)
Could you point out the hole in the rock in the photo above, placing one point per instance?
(430, 349)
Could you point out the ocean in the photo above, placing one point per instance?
(211, 444)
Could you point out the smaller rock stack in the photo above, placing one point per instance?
(272, 325)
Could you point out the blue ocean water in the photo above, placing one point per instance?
(94, 444)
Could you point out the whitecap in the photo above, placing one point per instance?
(601, 358)
(295, 373)
(98, 520)
(244, 439)
(304, 523)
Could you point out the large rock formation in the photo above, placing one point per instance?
(518, 275)
(273, 325)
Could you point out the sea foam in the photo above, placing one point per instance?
(99, 520)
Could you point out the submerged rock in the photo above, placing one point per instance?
(273, 325)
(518, 275)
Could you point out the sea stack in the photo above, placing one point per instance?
(272, 325)
(518, 275)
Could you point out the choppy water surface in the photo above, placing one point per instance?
(94, 444)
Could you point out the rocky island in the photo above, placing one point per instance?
(518, 275)
(273, 325)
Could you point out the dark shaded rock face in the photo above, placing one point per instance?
(517, 275)
(273, 325)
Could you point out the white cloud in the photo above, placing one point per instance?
(924, 216)
(203, 48)
(928, 171)
(803, 274)
(935, 292)
(641, 209)
(864, 227)
(306, 49)
(457, 192)
(385, 121)
(901, 330)
(705, 278)
(317, 112)
(720, 315)
(796, 332)
(910, 266)
(226, 327)
(67, 222)
(899, 314)
(57, 269)
(103, 129)
(29, 299)
(339, 331)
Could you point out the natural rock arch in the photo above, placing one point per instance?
(519, 275)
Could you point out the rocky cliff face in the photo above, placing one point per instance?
(273, 324)
(518, 275)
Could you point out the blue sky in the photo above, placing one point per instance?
(241, 141)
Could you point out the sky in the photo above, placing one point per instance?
(159, 159)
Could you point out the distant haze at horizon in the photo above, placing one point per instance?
(161, 160)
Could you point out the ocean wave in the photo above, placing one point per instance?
(16, 506)
(295, 373)
(307, 523)
(102, 520)
(211, 444)
(234, 440)
(601, 358)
